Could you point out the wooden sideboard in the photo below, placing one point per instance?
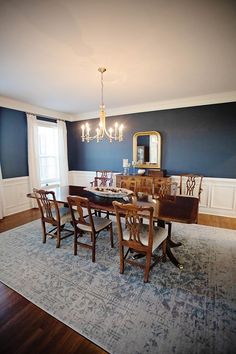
(140, 183)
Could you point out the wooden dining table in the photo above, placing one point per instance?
(184, 209)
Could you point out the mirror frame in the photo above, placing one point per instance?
(135, 140)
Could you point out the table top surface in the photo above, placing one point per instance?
(182, 209)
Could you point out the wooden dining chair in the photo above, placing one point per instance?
(136, 236)
(178, 208)
(191, 185)
(103, 178)
(145, 186)
(53, 214)
(128, 183)
(84, 221)
(165, 194)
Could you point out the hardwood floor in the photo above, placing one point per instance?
(25, 328)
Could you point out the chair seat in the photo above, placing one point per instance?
(99, 224)
(159, 235)
(65, 215)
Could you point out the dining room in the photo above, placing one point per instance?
(134, 125)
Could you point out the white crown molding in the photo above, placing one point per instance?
(26, 107)
(158, 106)
(224, 97)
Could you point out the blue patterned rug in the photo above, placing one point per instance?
(188, 311)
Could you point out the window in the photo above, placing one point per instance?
(48, 154)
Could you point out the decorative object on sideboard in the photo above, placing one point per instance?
(126, 166)
(141, 171)
(101, 131)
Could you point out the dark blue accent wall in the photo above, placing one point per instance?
(195, 139)
(13, 143)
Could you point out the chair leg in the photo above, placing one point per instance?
(163, 251)
(111, 236)
(58, 236)
(121, 250)
(75, 243)
(147, 267)
(169, 229)
(93, 247)
(44, 231)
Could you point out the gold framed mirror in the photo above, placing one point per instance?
(147, 149)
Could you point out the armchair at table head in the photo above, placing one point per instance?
(179, 208)
(103, 178)
(84, 221)
(52, 213)
(190, 184)
(166, 190)
(134, 235)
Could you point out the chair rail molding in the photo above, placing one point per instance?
(217, 198)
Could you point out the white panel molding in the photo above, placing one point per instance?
(81, 178)
(14, 195)
(218, 196)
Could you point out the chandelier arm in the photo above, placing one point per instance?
(108, 134)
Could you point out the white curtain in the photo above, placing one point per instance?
(33, 154)
(1, 196)
(63, 156)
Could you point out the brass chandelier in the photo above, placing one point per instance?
(115, 133)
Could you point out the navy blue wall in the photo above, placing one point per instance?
(196, 139)
(13, 143)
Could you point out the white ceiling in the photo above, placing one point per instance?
(155, 51)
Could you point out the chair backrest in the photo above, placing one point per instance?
(128, 183)
(191, 185)
(146, 186)
(166, 190)
(104, 178)
(81, 212)
(130, 236)
(48, 205)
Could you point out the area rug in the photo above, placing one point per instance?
(179, 311)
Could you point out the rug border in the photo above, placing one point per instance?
(48, 312)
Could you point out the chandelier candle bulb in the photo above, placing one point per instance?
(82, 136)
(121, 132)
(116, 126)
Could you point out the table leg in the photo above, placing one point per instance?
(172, 244)
(171, 256)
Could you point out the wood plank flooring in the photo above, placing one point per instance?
(25, 328)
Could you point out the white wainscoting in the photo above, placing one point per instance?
(218, 196)
(14, 192)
